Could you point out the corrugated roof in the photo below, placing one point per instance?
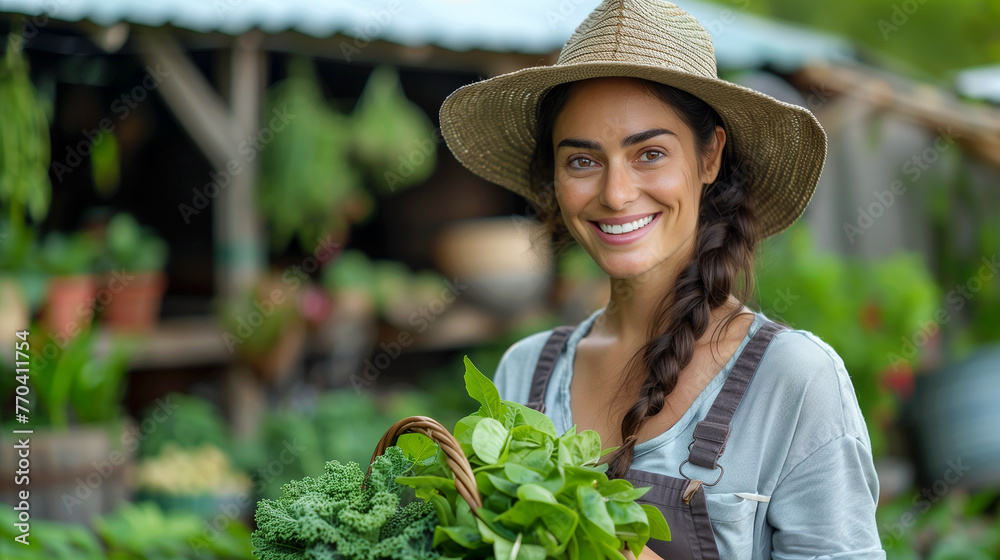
(528, 26)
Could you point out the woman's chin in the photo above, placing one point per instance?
(617, 269)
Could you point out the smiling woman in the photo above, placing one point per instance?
(748, 432)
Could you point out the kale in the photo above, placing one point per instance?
(332, 517)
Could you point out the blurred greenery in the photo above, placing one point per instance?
(71, 381)
(24, 141)
(132, 246)
(927, 40)
(313, 175)
(921, 524)
(131, 532)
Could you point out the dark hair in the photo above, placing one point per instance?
(722, 265)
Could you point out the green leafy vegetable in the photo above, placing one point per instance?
(544, 495)
(333, 517)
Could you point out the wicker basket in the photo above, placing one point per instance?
(465, 481)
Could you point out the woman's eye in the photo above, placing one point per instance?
(581, 162)
(653, 155)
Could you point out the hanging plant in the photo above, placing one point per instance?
(24, 141)
(308, 187)
(395, 140)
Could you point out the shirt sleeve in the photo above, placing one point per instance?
(825, 505)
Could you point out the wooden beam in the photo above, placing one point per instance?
(201, 111)
(975, 127)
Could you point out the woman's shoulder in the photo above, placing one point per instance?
(806, 377)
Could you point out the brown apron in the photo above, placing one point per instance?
(681, 500)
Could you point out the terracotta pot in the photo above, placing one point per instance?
(132, 304)
(69, 303)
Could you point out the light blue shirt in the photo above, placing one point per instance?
(799, 479)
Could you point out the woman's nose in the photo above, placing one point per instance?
(619, 189)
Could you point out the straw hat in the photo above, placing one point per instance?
(490, 125)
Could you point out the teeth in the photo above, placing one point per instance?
(625, 228)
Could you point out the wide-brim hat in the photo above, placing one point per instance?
(490, 125)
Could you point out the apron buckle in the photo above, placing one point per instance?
(721, 472)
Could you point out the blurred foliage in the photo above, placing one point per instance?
(131, 532)
(922, 525)
(105, 163)
(71, 381)
(342, 425)
(392, 288)
(929, 38)
(870, 311)
(24, 141)
(394, 139)
(132, 246)
(313, 173)
(67, 254)
(193, 422)
(966, 254)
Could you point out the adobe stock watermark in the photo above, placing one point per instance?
(232, 510)
(249, 149)
(914, 168)
(122, 107)
(957, 298)
(364, 33)
(291, 280)
(87, 485)
(421, 319)
(901, 13)
(922, 502)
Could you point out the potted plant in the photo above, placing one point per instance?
(264, 328)
(133, 276)
(82, 442)
(70, 260)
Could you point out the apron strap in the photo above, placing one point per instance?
(711, 434)
(546, 363)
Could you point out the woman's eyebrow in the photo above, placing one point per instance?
(629, 140)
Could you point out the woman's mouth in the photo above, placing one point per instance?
(627, 232)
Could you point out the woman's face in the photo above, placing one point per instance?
(627, 176)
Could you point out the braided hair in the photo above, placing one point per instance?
(720, 268)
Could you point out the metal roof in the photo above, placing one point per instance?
(741, 40)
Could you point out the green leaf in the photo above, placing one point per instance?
(658, 528)
(464, 536)
(520, 474)
(531, 417)
(484, 391)
(592, 505)
(629, 495)
(537, 493)
(497, 482)
(558, 518)
(488, 440)
(417, 447)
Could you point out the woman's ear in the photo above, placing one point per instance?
(713, 159)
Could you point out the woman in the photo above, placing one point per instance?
(749, 433)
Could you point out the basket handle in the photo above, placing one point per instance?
(465, 481)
